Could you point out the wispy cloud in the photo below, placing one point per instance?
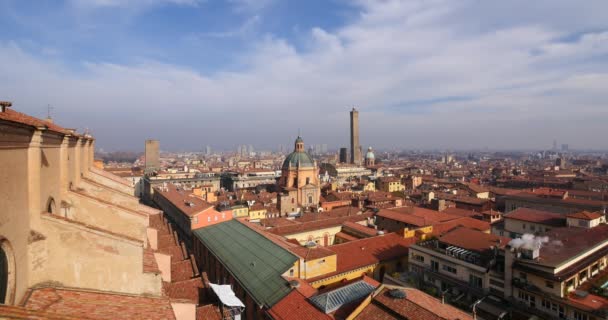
(247, 27)
(93, 4)
(423, 73)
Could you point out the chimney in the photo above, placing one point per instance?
(4, 105)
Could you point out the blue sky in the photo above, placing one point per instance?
(423, 73)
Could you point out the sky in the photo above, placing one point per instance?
(432, 74)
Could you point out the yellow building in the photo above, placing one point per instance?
(257, 212)
(240, 211)
(390, 184)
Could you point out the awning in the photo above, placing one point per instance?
(226, 295)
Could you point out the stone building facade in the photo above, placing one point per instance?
(299, 181)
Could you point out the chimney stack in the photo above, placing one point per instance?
(4, 105)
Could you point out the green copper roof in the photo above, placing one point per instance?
(301, 159)
(256, 262)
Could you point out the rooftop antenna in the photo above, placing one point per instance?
(48, 110)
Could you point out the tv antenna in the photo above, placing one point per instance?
(49, 108)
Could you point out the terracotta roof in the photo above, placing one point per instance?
(345, 236)
(473, 240)
(208, 312)
(537, 216)
(360, 228)
(585, 215)
(22, 118)
(98, 305)
(572, 242)
(368, 251)
(470, 223)
(416, 216)
(416, 305)
(461, 212)
(590, 302)
(304, 287)
(182, 198)
(319, 224)
(13, 312)
(295, 306)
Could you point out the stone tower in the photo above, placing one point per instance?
(355, 148)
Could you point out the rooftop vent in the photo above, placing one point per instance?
(397, 294)
(4, 105)
(311, 244)
(380, 232)
(294, 284)
(581, 293)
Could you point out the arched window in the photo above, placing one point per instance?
(3, 276)
(50, 205)
(7, 273)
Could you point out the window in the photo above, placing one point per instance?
(4, 272)
(533, 227)
(523, 276)
(449, 269)
(475, 281)
(434, 265)
(195, 220)
(291, 272)
(582, 223)
(523, 226)
(208, 219)
(529, 299)
(418, 258)
(580, 316)
(549, 284)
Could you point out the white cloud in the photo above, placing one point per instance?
(421, 72)
(96, 4)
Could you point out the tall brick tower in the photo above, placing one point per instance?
(355, 148)
(152, 155)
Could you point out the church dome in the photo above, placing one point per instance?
(299, 157)
(370, 154)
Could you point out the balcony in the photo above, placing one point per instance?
(455, 282)
(457, 253)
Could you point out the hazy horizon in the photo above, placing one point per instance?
(427, 75)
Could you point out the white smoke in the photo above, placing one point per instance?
(529, 242)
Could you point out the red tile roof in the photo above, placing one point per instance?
(470, 223)
(536, 216)
(22, 118)
(364, 252)
(320, 224)
(345, 236)
(585, 215)
(295, 306)
(13, 312)
(99, 305)
(419, 217)
(461, 212)
(416, 305)
(473, 240)
(360, 228)
(181, 198)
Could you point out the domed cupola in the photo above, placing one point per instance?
(370, 158)
(299, 158)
